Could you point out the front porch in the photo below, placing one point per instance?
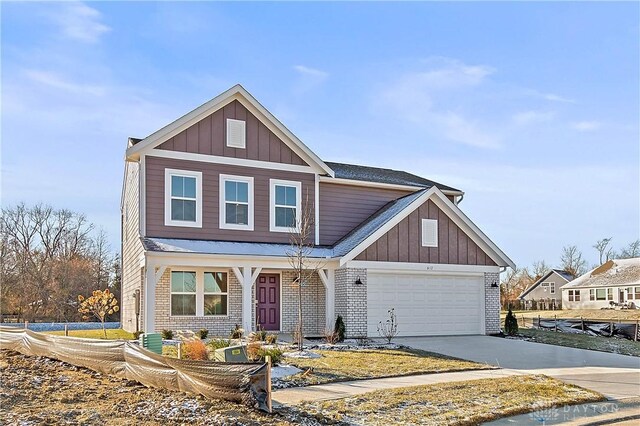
(195, 292)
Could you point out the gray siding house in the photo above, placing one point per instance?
(210, 201)
(545, 292)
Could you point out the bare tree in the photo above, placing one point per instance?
(538, 269)
(572, 261)
(47, 257)
(632, 250)
(605, 251)
(299, 255)
(513, 283)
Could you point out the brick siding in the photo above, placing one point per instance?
(492, 303)
(351, 300)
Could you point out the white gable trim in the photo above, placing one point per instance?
(238, 93)
(453, 212)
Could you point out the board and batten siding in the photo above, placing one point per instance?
(343, 207)
(155, 227)
(402, 243)
(132, 248)
(209, 136)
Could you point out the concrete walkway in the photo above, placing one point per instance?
(615, 376)
(292, 396)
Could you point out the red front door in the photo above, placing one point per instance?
(268, 295)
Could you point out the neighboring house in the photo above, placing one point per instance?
(209, 203)
(616, 281)
(545, 292)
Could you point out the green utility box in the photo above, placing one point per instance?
(231, 354)
(152, 342)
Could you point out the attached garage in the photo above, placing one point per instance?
(426, 304)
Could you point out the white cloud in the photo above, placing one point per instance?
(530, 117)
(557, 98)
(422, 97)
(586, 126)
(312, 72)
(80, 22)
(55, 81)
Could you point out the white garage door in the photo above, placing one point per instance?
(426, 305)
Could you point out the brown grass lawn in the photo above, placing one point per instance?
(336, 366)
(461, 403)
(594, 314)
(112, 334)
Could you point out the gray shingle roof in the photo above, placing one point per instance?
(174, 245)
(379, 175)
(622, 273)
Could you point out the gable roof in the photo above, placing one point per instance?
(563, 274)
(615, 272)
(394, 212)
(239, 93)
(380, 175)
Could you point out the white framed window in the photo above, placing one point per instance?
(549, 286)
(429, 233)
(574, 295)
(215, 293)
(182, 198)
(637, 293)
(236, 133)
(199, 292)
(236, 202)
(601, 294)
(183, 293)
(609, 294)
(285, 205)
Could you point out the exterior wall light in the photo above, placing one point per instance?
(358, 281)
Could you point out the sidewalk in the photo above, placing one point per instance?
(619, 412)
(292, 396)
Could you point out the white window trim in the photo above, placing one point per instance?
(272, 205)
(188, 293)
(204, 293)
(200, 292)
(167, 198)
(223, 211)
(423, 223)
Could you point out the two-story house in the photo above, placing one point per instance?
(209, 203)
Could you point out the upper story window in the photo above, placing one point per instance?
(236, 133)
(236, 202)
(183, 198)
(285, 205)
(429, 233)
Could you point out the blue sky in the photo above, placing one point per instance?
(531, 108)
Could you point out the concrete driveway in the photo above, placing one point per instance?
(615, 376)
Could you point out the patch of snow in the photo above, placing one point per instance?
(284, 370)
(303, 354)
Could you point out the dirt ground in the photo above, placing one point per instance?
(41, 391)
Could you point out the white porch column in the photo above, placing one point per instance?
(152, 276)
(150, 299)
(246, 279)
(328, 279)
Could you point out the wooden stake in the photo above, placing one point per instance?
(179, 350)
(539, 321)
(268, 359)
(26, 325)
(611, 329)
(555, 323)
(66, 330)
(635, 337)
(582, 323)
